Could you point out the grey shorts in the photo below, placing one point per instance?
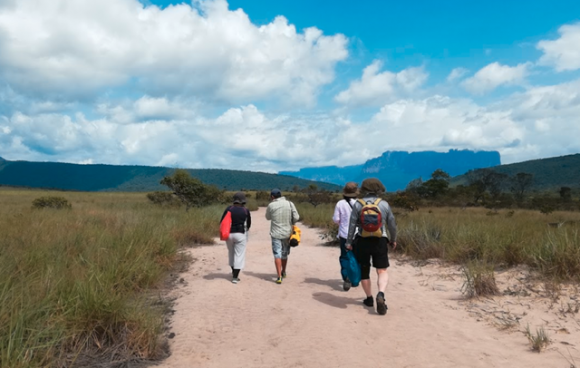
(280, 248)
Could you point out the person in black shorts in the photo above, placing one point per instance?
(373, 250)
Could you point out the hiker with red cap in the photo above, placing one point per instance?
(370, 219)
(341, 217)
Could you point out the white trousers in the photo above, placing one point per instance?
(237, 250)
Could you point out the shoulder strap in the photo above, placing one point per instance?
(350, 204)
(361, 201)
(377, 201)
(291, 212)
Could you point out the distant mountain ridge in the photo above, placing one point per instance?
(549, 173)
(397, 168)
(99, 177)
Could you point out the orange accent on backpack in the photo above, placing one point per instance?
(371, 219)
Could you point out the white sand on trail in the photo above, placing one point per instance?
(309, 321)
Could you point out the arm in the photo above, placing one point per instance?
(248, 219)
(392, 226)
(268, 213)
(295, 215)
(336, 216)
(352, 224)
(224, 214)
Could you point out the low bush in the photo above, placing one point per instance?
(51, 202)
(164, 199)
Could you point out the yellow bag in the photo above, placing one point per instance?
(295, 237)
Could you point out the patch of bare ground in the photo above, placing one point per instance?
(309, 321)
(546, 313)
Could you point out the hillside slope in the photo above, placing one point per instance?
(549, 173)
(135, 178)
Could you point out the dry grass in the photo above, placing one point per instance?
(538, 340)
(509, 238)
(479, 280)
(77, 283)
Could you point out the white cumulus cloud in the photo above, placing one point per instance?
(79, 48)
(494, 75)
(375, 87)
(456, 74)
(564, 52)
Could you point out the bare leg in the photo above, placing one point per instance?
(366, 285)
(278, 263)
(284, 263)
(383, 279)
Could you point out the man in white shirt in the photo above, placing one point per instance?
(341, 217)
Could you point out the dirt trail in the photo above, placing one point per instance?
(308, 321)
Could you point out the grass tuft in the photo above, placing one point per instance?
(479, 280)
(538, 340)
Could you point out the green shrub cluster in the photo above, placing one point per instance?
(51, 202)
(163, 199)
(191, 191)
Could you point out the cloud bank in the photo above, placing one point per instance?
(202, 86)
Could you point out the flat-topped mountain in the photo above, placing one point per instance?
(397, 168)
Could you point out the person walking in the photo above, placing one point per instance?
(283, 215)
(236, 242)
(372, 245)
(341, 217)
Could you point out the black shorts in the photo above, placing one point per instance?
(372, 248)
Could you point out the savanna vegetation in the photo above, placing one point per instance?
(491, 221)
(81, 274)
(82, 283)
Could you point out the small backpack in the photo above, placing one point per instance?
(371, 219)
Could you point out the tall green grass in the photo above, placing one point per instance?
(80, 281)
(549, 244)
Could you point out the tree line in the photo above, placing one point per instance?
(483, 187)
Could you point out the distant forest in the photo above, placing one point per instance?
(548, 173)
(64, 176)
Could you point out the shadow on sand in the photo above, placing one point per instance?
(341, 302)
(213, 276)
(261, 276)
(333, 284)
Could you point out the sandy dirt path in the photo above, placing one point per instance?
(309, 321)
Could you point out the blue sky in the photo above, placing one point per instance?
(279, 85)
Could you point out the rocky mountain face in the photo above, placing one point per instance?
(397, 168)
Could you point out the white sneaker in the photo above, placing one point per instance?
(235, 281)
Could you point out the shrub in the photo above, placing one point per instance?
(191, 191)
(163, 199)
(51, 202)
